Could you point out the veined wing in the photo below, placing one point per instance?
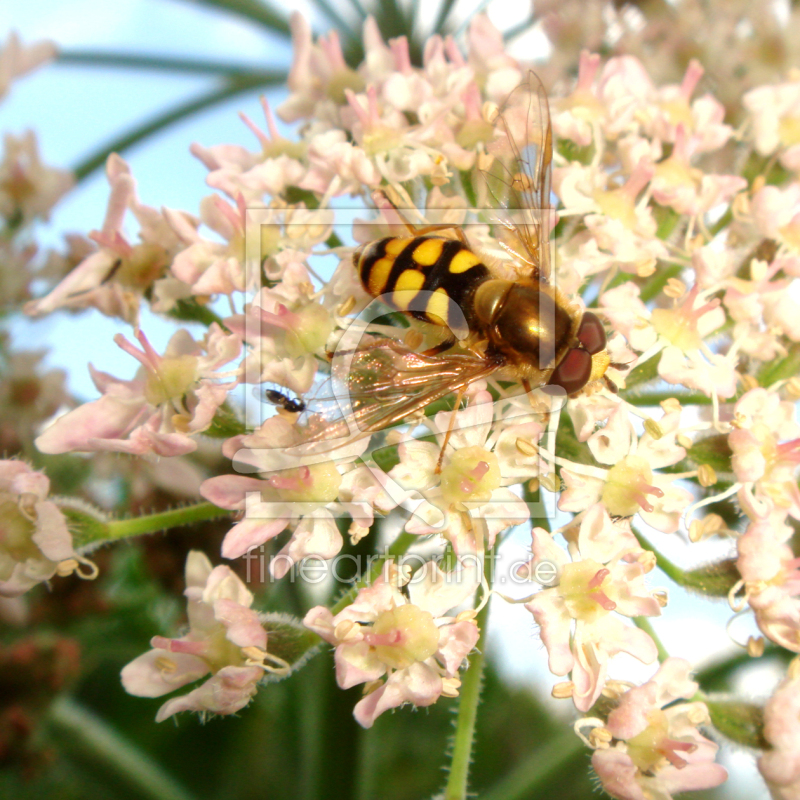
(384, 383)
(519, 177)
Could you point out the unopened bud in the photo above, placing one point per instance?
(755, 646)
(653, 428)
(749, 382)
(551, 482)
(706, 475)
(346, 307)
(675, 288)
(525, 446)
(450, 687)
(563, 690)
(600, 738)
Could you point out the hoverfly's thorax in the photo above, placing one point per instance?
(531, 327)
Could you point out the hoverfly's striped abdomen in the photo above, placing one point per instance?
(428, 277)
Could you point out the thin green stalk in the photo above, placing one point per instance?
(255, 10)
(82, 731)
(536, 771)
(164, 520)
(469, 696)
(654, 398)
(194, 66)
(218, 95)
(644, 624)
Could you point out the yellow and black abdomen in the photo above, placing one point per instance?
(430, 278)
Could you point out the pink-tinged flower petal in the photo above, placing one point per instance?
(159, 672)
(320, 620)
(230, 690)
(110, 417)
(600, 540)
(52, 535)
(243, 626)
(617, 774)
(580, 492)
(357, 663)
(223, 583)
(198, 569)
(455, 644)
(250, 533)
(417, 684)
(317, 536)
(551, 615)
(230, 491)
(692, 777)
(612, 443)
(437, 592)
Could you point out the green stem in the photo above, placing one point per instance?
(254, 10)
(152, 523)
(644, 624)
(534, 773)
(82, 731)
(194, 66)
(232, 88)
(654, 398)
(457, 781)
(397, 548)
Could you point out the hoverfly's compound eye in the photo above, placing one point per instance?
(591, 333)
(574, 371)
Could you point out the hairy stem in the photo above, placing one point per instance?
(457, 781)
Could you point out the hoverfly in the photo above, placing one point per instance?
(513, 323)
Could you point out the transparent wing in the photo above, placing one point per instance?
(519, 176)
(384, 383)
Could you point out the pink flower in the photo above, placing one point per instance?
(17, 60)
(293, 489)
(606, 574)
(771, 576)
(773, 113)
(481, 461)
(172, 398)
(225, 639)
(406, 640)
(780, 766)
(114, 278)
(766, 453)
(656, 751)
(35, 542)
(285, 329)
(28, 188)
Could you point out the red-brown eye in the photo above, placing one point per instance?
(591, 333)
(573, 373)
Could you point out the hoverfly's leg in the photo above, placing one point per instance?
(422, 230)
(450, 427)
(440, 348)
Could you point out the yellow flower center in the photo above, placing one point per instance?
(471, 475)
(404, 635)
(627, 486)
(175, 376)
(584, 586)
